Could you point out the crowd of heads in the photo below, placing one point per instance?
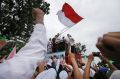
(59, 43)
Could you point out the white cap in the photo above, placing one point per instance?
(47, 74)
(63, 75)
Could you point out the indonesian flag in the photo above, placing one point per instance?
(12, 53)
(68, 16)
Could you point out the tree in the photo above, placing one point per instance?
(16, 17)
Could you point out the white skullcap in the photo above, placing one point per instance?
(47, 74)
(63, 75)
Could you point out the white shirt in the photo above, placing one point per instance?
(23, 65)
(47, 74)
(115, 75)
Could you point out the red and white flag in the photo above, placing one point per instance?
(12, 53)
(68, 16)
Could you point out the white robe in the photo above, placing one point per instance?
(23, 65)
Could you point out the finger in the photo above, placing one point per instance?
(105, 51)
(114, 34)
(98, 45)
(111, 42)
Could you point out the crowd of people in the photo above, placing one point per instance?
(29, 64)
(58, 44)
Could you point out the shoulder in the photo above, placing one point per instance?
(115, 75)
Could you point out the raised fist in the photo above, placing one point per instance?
(38, 15)
(109, 45)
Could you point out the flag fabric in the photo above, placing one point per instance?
(2, 43)
(68, 16)
(12, 53)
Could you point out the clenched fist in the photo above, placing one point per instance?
(109, 45)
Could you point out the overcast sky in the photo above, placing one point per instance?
(100, 16)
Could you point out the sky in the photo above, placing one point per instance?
(100, 17)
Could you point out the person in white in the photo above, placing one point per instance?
(115, 75)
(63, 75)
(24, 63)
(69, 39)
(47, 74)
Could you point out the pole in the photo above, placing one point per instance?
(64, 30)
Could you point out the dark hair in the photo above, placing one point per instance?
(50, 39)
(91, 78)
(100, 75)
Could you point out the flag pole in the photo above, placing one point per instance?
(64, 30)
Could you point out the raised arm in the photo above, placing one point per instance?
(37, 45)
(23, 65)
(87, 68)
(76, 72)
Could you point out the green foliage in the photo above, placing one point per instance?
(6, 49)
(2, 37)
(16, 17)
(9, 47)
